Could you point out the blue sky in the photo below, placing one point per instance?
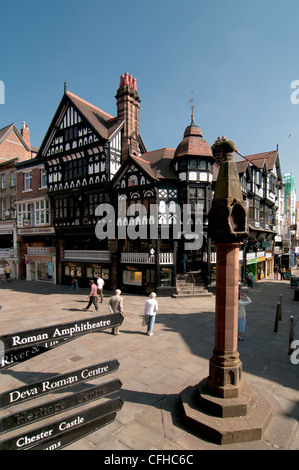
(238, 57)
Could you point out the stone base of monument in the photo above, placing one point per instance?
(226, 420)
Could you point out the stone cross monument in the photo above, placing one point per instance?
(222, 407)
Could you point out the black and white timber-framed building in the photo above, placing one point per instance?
(92, 158)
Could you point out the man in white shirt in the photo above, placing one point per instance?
(100, 284)
(150, 310)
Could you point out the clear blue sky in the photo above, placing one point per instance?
(239, 58)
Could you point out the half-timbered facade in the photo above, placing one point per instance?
(145, 189)
(82, 152)
(154, 205)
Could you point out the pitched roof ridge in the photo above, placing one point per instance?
(6, 127)
(89, 104)
(142, 159)
(159, 150)
(260, 154)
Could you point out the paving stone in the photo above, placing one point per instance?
(154, 370)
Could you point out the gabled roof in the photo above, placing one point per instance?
(242, 166)
(12, 127)
(264, 158)
(155, 164)
(102, 123)
(5, 130)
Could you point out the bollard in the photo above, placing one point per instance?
(280, 301)
(291, 334)
(276, 317)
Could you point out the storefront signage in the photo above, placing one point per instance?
(5, 253)
(53, 408)
(28, 392)
(65, 424)
(34, 231)
(67, 330)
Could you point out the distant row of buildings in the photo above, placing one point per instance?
(52, 202)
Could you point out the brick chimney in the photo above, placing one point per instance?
(128, 110)
(25, 132)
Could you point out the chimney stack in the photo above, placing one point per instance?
(25, 132)
(128, 110)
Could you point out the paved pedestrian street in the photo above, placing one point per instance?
(154, 370)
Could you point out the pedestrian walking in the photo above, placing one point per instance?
(93, 296)
(243, 301)
(7, 272)
(100, 285)
(116, 305)
(276, 269)
(150, 311)
(250, 279)
(74, 283)
(282, 273)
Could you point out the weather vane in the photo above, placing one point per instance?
(192, 106)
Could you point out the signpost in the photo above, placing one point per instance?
(57, 332)
(19, 347)
(11, 358)
(53, 408)
(38, 435)
(52, 384)
(63, 440)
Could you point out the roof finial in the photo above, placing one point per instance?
(192, 108)
(65, 87)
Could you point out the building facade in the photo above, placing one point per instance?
(289, 232)
(15, 147)
(35, 230)
(105, 205)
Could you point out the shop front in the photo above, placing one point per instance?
(133, 278)
(84, 271)
(40, 264)
(144, 279)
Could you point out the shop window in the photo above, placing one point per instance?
(166, 277)
(73, 271)
(93, 271)
(132, 278)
